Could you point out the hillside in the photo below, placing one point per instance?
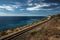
(49, 31)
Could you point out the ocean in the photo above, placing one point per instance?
(10, 22)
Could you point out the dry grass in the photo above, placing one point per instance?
(51, 31)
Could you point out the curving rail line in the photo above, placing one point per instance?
(20, 32)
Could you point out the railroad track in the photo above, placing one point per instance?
(20, 32)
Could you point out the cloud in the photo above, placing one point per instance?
(54, 3)
(30, 4)
(15, 6)
(29, 1)
(33, 8)
(21, 9)
(6, 7)
(12, 14)
(46, 9)
(38, 7)
(8, 14)
(1, 14)
(9, 7)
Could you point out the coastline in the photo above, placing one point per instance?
(20, 28)
(9, 31)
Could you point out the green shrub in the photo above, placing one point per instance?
(34, 32)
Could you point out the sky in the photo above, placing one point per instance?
(29, 7)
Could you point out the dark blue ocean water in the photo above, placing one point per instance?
(9, 22)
